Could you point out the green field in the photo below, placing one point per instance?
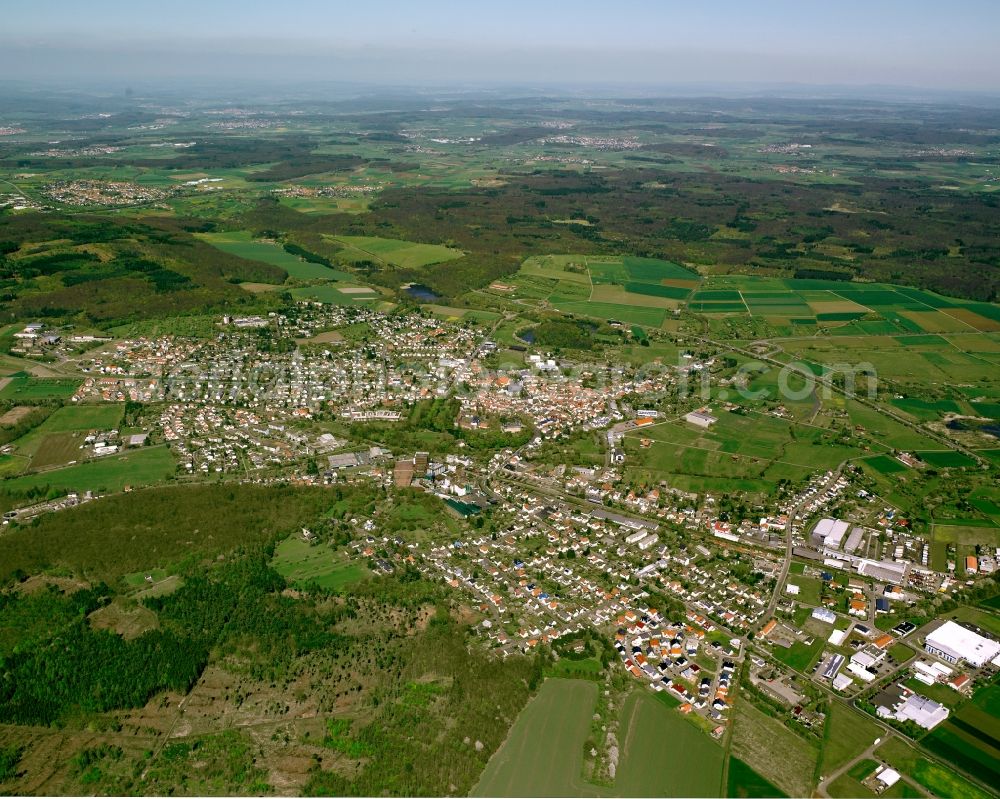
(900, 652)
(404, 254)
(242, 243)
(936, 778)
(543, 752)
(971, 737)
(632, 314)
(885, 464)
(584, 668)
(846, 736)
(105, 416)
(745, 783)
(57, 440)
(111, 473)
(809, 589)
(661, 753)
(846, 308)
(945, 458)
(799, 656)
(848, 787)
(28, 389)
(743, 451)
(304, 564)
(636, 291)
(968, 744)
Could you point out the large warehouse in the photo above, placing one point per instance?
(953, 642)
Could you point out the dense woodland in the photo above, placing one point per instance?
(145, 269)
(102, 540)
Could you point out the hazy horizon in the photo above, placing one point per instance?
(907, 44)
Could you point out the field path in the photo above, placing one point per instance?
(869, 753)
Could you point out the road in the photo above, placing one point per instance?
(787, 563)
(869, 753)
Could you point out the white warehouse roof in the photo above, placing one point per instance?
(831, 531)
(963, 644)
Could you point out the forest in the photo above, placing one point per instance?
(434, 710)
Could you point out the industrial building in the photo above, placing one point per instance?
(953, 642)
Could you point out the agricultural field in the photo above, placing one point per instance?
(403, 254)
(543, 752)
(846, 308)
(179, 635)
(242, 244)
(939, 780)
(337, 294)
(640, 291)
(35, 389)
(847, 735)
(664, 755)
(912, 363)
(773, 751)
(745, 783)
(59, 438)
(661, 753)
(112, 473)
(749, 450)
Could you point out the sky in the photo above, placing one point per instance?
(916, 43)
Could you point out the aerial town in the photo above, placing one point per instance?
(500, 400)
(686, 592)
